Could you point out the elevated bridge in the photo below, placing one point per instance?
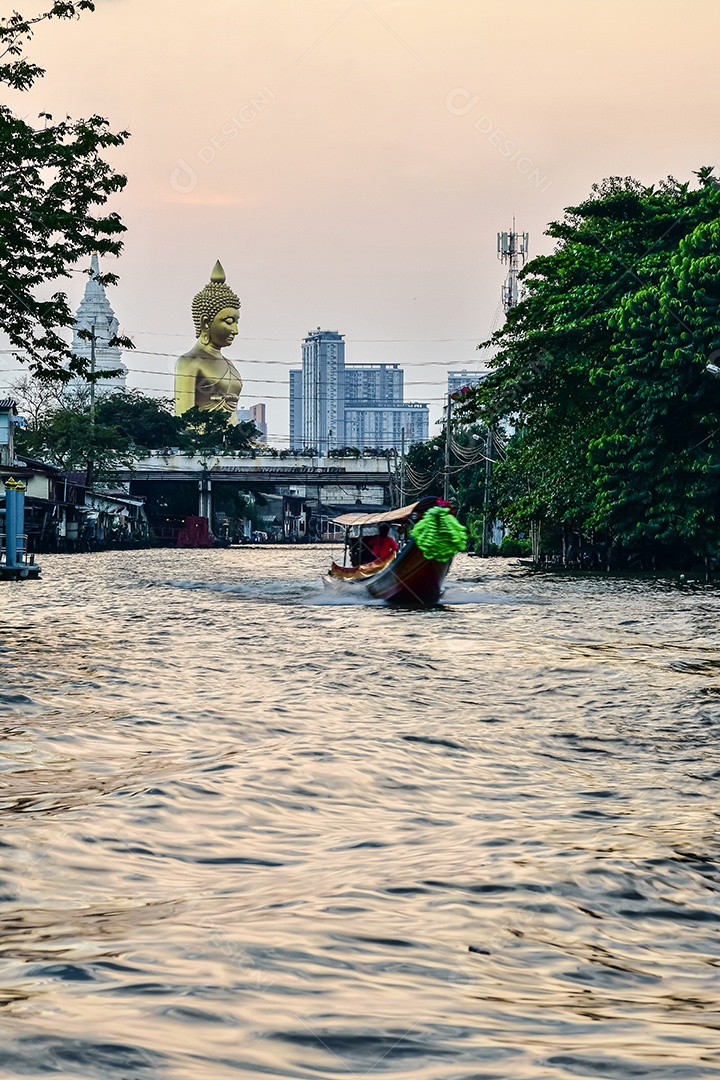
(191, 484)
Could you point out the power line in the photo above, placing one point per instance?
(373, 341)
(279, 382)
(253, 360)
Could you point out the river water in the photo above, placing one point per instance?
(248, 832)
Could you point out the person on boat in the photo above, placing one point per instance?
(382, 546)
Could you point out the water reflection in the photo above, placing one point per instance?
(247, 831)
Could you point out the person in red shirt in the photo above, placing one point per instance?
(381, 545)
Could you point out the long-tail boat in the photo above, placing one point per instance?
(416, 576)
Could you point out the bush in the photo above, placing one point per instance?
(511, 547)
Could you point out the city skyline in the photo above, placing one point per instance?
(350, 162)
(333, 405)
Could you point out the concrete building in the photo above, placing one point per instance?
(96, 316)
(373, 385)
(333, 405)
(296, 400)
(323, 390)
(8, 420)
(458, 379)
(63, 514)
(381, 427)
(255, 414)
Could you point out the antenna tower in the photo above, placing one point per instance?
(512, 249)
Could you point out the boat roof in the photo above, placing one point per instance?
(390, 517)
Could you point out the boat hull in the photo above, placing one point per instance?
(410, 580)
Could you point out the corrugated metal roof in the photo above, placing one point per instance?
(8, 403)
(389, 517)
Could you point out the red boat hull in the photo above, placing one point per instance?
(410, 580)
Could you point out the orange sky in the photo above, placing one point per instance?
(350, 161)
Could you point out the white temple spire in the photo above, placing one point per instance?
(95, 314)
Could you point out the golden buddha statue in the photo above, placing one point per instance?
(203, 376)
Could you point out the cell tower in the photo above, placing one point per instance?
(512, 248)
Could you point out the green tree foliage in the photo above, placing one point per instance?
(656, 459)
(147, 422)
(127, 424)
(53, 179)
(600, 368)
(72, 441)
(209, 432)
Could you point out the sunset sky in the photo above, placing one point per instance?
(351, 161)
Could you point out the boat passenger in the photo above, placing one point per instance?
(382, 545)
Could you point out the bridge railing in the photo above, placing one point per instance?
(264, 463)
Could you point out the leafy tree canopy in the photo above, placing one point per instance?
(600, 368)
(656, 457)
(209, 432)
(71, 440)
(135, 421)
(146, 421)
(53, 180)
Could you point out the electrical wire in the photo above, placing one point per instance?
(254, 360)
(372, 341)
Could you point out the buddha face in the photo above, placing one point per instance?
(224, 327)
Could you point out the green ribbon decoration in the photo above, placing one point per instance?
(439, 534)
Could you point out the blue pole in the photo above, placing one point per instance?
(10, 526)
(20, 524)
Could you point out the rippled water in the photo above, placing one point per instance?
(250, 832)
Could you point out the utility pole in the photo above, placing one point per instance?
(486, 493)
(92, 374)
(446, 477)
(90, 471)
(402, 466)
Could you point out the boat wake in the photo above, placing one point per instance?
(210, 586)
(335, 598)
(456, 594)
(352, 596)
(256, 590)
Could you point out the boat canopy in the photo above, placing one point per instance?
(390, 517)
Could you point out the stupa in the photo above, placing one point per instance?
(95, 314)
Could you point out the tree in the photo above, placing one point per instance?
(36, 398)
(52, 180)
(127, 424)
(556, 376)
(207, 431)
(146, 421)
(71, 440)
(656, 461)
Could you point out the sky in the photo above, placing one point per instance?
(350, 162)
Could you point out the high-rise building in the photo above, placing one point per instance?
(380, 427)
(296, 400)
(373, 385)
(333, 405)
(323, 390)
(97, 317)
(459, 379)
(256, 415)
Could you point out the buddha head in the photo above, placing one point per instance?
(216, 310)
